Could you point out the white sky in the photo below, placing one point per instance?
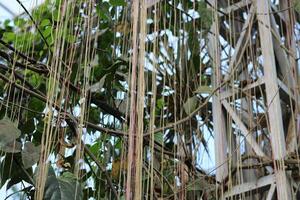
(15, 8)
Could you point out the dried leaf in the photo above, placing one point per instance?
(204, 89)
(117, 167)
(30, 154)
(200, 184)
(8, 132)
(12, 147)
(99, 85)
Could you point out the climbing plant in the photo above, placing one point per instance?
(66, 71)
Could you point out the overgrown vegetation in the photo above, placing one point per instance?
(65, 68)
(66, 71)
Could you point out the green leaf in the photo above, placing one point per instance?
(8, 132)
(9, 36)
(297, 6)
(28, 127)
(65, 187)
(6, 23)
(160, 103)
(36, 104)
(49, 41)
(94, 115)
(45, 22)
(35, 80)
(205, 16)
(103, 11)
(47, 32)
(71, 38)
(30, 154)
(190, 105)
(20, 22)
(56, 15)
(159, 137)
(11, 168)
(95, 148)
(122, 197)
(117, 2)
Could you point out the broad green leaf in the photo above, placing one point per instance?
(8, 132)
(65, 187)
(49, 41)
(103, 11)
(36, 104)
(35, 80)
(6, 23)
(45, 22)
(56, 15)
(68, 175)
(95, 148)
(190, 105)
(30, 154)
(20, 22)
(9, 36)
(94, 115)
(47, 32)
(11, 168)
